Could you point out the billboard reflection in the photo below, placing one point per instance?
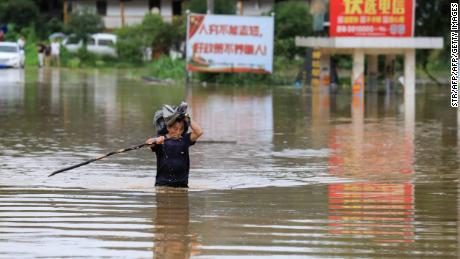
(381, 205)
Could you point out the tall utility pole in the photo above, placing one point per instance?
(65, 14)
(210, 4)
(122, 12)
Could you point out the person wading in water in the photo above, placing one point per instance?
(171, 148)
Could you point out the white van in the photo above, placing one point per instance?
(99, 43)
(103, 44)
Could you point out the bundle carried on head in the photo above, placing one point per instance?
(168, 115)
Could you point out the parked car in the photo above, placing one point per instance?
(99, 43)
(11, 55)
(72, 43)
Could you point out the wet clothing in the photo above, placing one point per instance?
(173, 161)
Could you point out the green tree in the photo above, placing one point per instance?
(179, 28)
(82, 23)
(52, 25)
(152, 32)
(22, 13)
(432, 18)
(220, 6)
(292, 19)
(130, 43)
(156, 31)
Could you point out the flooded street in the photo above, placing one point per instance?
(281, 171)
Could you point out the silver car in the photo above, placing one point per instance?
(11, 55)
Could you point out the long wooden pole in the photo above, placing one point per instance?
(126, 150)
(98, 158)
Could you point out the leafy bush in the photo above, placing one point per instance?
(30, 49)
(87, 58)
(51, 25)
(284, 71)
(130, 43)
(12, 34)
(152, 32)
(159, 34)
(165, 67)
(179, 28)
(66, 57)
(82, 58)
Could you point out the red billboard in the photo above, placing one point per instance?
(371, 18)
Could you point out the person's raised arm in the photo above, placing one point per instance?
(197, 131)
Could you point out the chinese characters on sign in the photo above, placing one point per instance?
(224, 43)
(371, 18)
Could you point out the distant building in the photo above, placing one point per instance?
(117, 13)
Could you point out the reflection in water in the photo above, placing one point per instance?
(241, 115)
(105, 97)
(12, 76)
(371, 151)
(385, 212)
(320, 112)
(11, 87)
(62, 223)
(312, 175)
(382, 210)
(173, 238)
(55, 88)
(234, 115)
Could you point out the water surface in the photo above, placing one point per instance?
(311, 175)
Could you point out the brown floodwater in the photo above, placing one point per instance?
(310, 175)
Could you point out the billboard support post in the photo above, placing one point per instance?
(187, 13)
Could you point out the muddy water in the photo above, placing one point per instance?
(311, 174)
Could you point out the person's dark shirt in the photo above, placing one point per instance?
(41, 48)
(173, 161)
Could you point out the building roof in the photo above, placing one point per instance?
(383, 44)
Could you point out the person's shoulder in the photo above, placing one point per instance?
(188, 138)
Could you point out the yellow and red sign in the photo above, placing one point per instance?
(371, 18)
